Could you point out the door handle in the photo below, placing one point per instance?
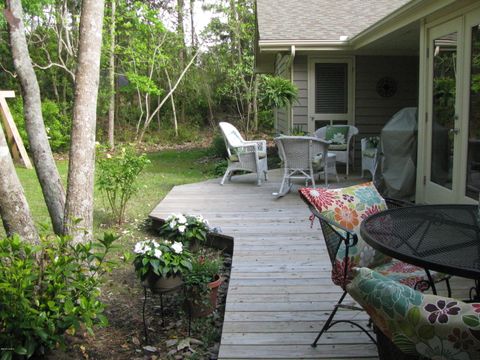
(454, 131)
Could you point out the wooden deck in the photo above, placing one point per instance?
(280, 292)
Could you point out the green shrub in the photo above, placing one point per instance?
(218, 148)
(57, 124)
(185, 134)
(47, 290)
(117, 177)
(220, 168)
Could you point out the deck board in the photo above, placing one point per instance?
(280, 291)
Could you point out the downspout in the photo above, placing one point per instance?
(292, 58)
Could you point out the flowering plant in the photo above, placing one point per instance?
(185, 228)
(164, 258)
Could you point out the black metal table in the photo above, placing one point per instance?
(444, 238)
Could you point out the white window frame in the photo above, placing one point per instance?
(312, 115)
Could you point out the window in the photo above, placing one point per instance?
(331, 88)
(330, 84)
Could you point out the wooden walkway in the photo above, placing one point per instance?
(280, 292)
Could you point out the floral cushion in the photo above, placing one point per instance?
(419, 324)
(348, 207)
(337, 134)
(407, 274)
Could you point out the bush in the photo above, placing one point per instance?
(186, 133)
(218, 148)
(117, 177)
(47, 290)
(57, 124)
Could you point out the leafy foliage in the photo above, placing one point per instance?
(117, 178)
(204, 270)
(277, 92)
(163, 259)
(185, 228)
(57, 124)
(48, 290)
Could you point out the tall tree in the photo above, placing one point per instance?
(14, 208)
(79, 204)
(45, 167)
(111, 75)
(183, 52)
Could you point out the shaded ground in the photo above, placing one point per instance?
(124, 337)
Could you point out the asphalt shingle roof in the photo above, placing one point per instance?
(320, 19)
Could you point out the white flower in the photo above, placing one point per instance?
(182, 219)
(173, 224)
(155, 244)
(182, 228)
(139, 248)
(338, 138)
(177, 247)
(157, 253)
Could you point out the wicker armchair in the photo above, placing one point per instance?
(302, 158)
(347, 250)
(345, 153)
(244, 155)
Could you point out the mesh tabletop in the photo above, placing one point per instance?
(444, 238)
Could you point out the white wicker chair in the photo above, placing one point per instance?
(369, 157)
(243, 155)
(302, 158)
(343, 156)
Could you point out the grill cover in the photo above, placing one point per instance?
(396, 173)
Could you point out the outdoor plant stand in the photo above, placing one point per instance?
(161, 293)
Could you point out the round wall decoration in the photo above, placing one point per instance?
(386, 87)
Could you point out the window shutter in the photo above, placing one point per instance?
(331, 88)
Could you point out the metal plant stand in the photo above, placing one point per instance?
(161, 293)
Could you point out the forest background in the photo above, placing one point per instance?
(161, 80)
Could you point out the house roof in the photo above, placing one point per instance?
(319, 20)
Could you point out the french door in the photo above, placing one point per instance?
(452, 172)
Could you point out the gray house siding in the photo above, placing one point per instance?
(282, 115)
(300, 79)
(372, 111)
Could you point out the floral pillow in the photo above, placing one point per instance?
(349, 207)
(337, 134)
(419, 324)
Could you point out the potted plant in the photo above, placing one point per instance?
(190, 230)
(160, 265)
(202, 283)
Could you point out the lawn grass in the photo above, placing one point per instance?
(167, 169)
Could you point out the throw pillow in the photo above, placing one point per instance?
(337, 134)
(348, 207)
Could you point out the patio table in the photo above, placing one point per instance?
(444, 238)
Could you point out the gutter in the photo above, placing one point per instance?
(291, 60)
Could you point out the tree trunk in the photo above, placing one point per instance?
(255, 102)
(111, 75)
(192, 23)
(79, 204)
(45, 166)
(14, 208)
(183, 53)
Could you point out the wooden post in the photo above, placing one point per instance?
(17, 148)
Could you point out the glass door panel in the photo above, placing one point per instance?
(473, 153)
(444, 71)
